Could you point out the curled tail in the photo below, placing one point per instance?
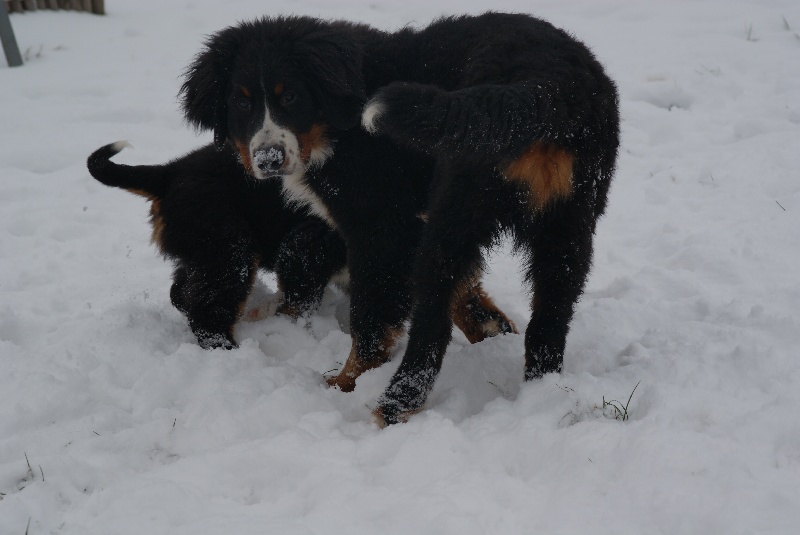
(499, 120)
(146, 180)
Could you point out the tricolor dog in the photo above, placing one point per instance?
(473, 126)
(219, 226)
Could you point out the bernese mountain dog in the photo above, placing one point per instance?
(219, 226)
(473, 127)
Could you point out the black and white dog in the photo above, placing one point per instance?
(477, 125)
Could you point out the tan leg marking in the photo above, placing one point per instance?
(474, 312)
(546, 170)
(476, 315)
(356, 365)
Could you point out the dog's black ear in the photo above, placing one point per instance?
(206, 82)
(334, 65)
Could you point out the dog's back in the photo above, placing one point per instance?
(526, 96)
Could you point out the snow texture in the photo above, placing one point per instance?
(113, 420)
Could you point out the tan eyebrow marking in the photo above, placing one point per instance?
(278, 88)
(245, 91)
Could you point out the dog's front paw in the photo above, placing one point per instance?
(404, 398)
(208, 340)
(386, 416)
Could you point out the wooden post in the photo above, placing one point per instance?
(29, 5)
(99, 7)
(7, 37)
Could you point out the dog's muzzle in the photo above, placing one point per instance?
(269, 160)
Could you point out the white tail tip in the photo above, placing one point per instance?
(372, 111)
(119, 145)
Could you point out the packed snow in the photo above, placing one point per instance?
(114, 421)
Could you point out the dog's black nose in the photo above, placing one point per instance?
(270, 159)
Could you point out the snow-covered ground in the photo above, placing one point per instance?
(113, 421)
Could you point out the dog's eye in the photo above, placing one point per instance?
(287, 97)
(243, 104)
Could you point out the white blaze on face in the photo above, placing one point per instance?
(293, 169)
(262, 147)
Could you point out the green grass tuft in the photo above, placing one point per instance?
(620, 410)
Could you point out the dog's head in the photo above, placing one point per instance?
(277, 89)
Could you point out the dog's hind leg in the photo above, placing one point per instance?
(561, 244)
(460, 224)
